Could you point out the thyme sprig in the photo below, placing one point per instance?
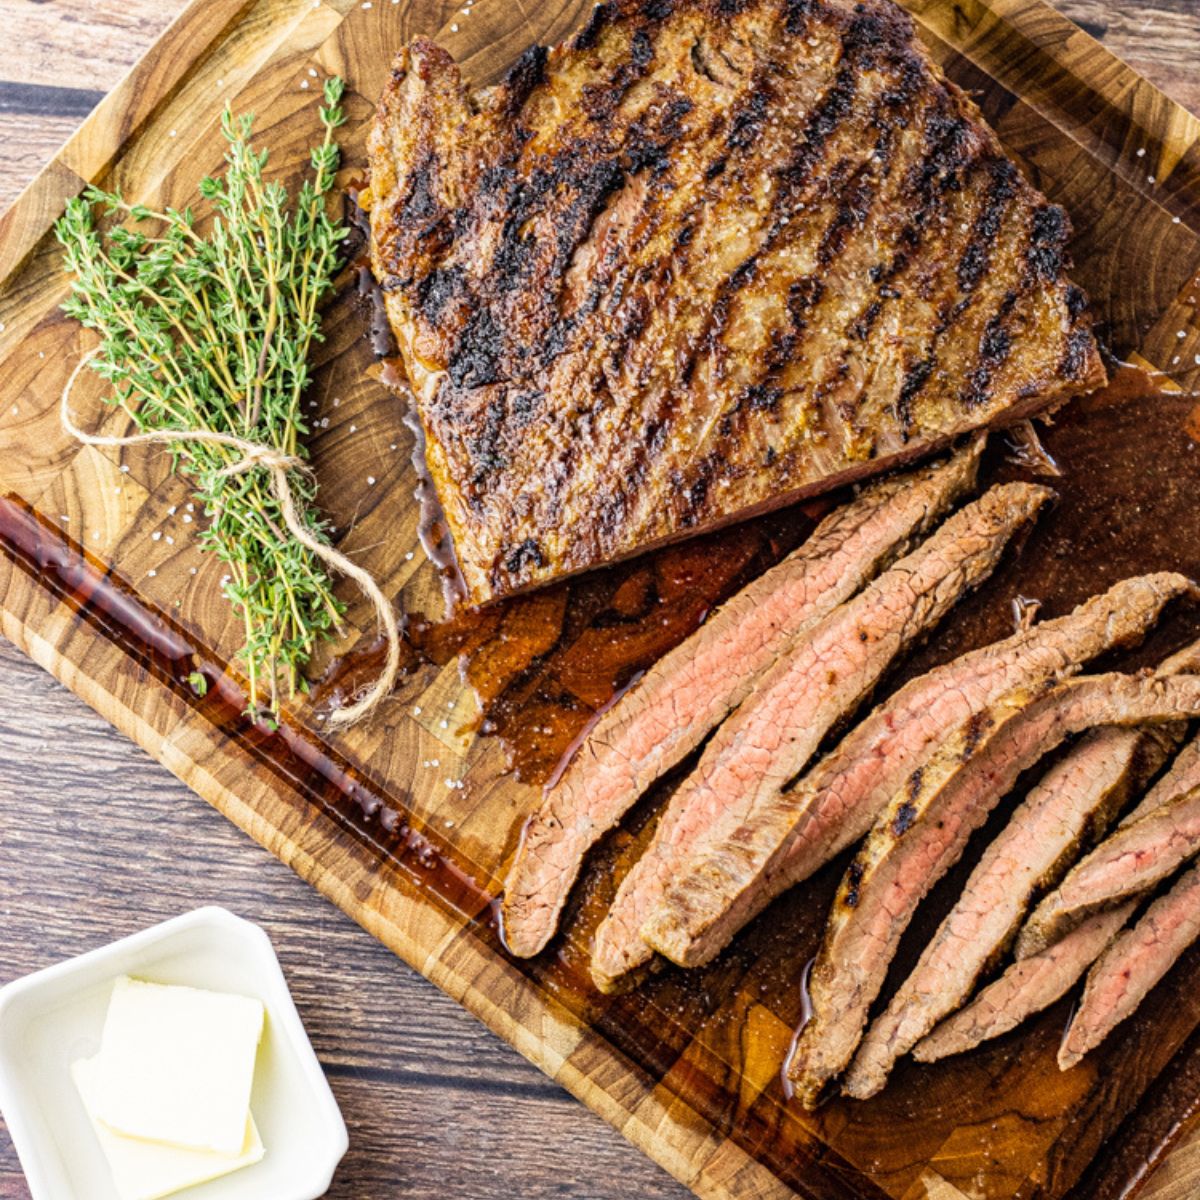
(209, 329)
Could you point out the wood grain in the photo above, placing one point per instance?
(394, 1047)
(435, 1104)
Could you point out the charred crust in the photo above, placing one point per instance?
(747, 121)
(977, 257)
(588, 37)
(524, 76)
(477, 357)
(914, 380)
(527, 553)
(914, 783)
(976, 727)
(1076, 301)
(441, 288)
(854, 877)
(796, 15)
(1048, 236)
(994, 348)
(1078, 354)
(641, 50)
(902, 822)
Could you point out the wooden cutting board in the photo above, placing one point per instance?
(407, 824)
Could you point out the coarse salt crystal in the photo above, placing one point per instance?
(313, 72)
(151, 573)
(1142, 152)
(453, 28)
(156, 535)
(416, 710)
(187, 520)
(371, 480)
(170, 540)
(124, 468)
(353, 428)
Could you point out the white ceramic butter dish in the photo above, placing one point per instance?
(51, 1018)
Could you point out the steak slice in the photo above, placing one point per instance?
(1132, 965)
(923, 832)
(821, 679)
(1070, 808)
(836, 803)
(1161, 835)
(700, 261)
(1025, 988)
(670, 711)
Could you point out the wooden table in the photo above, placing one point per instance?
(97, 840)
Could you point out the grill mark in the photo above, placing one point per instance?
(1078, 353)
(833, 109)
(969, 271)
(1049, 232)
(914, 380)
(854, 210)
(867, 185)
(525, 75)
(976, 258)
(994, 349)
(589, 36)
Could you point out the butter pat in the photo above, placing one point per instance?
(176, 1065)
(150, 1170)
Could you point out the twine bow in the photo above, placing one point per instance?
(278, 465)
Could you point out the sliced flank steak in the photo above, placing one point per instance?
(1026, 987)
(923, 832)
(1132, 965)
(800, 829)
(670, 711)
(1069, 810)
(1162, 833)
(824, 676)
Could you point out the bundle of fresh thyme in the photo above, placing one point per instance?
(209, 330)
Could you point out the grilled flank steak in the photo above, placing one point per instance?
(707, 257)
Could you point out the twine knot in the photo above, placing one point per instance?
(279, 464)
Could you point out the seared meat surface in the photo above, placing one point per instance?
(702, 260)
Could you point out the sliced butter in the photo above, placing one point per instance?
(149, 1170)
(176, 1065)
